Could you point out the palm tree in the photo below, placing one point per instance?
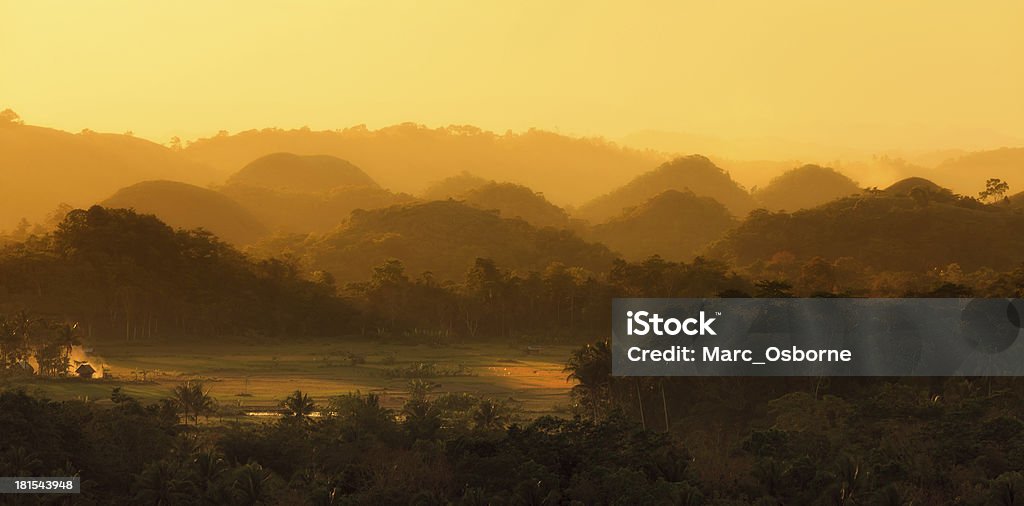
(298, 405)
(66, 338)
(160, 483)
(419, 388)
(192, 400)
(488, 415)
(591, 367)
(250, 486)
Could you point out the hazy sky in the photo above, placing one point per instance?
(871, 73)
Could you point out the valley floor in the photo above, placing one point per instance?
(246, 377)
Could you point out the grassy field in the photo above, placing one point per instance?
(254, 377)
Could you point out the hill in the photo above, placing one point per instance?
(307, 212)
(182, 205)
(41, 167)
(886, 232)
(131, 277)
(675, 225)
(409, 157)
(967, 173)
(516, 201)
(445, 237)
(1017, 200)
(694, 173)
(290, 172)
(805, 187)
(453, 186)
(905, 186)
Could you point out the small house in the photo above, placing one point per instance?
(85, 371)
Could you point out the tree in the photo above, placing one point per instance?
(298, 405)
(773, 289)
(193, 400)
(591, 367)
(489, 415)
(994, 190)
(9, 117)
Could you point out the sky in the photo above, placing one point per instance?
(867, 73)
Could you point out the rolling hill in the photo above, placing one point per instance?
(453, 186)
(805, 187)
(675, 225)
(409, 157)
(445, 237)
(182, 205)
(291, 172)
(42, 168)
(306, 212)
(693, 173)
(905, 186)
(967, 173)
(517, 201)
(888, 232)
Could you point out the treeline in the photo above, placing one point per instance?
(819, 440)
(693, 441)
(561, 301)
(128, 275)
(356, 452)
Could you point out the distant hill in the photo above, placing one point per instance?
(291, 172)
(453, 186)
(307, 212)
(967, 174)
(1017, 200)
(895, 232)
(445, 237)
(905, 186)
(409, 157)
(42, 167)
(805, 187)
(675, 225)
(516, 201)
(182, 205)
(694, 173)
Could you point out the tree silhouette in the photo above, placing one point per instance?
(193, 400)
(994, 189)
(298, 405)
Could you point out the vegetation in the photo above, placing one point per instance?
(792, 189)
(677, 225)
(291, 172)
(693, 173)
(517, 201)
(186, 206)
(914, 232)
(118, 273)
(444, 238)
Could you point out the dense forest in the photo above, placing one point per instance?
(693, 441)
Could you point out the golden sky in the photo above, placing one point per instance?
(866, 73)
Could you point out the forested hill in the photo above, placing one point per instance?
(516, 201)
(124, 274)
(311, 173)
(805, 187)
(182, 205)
(444, 238)
(675, 225)
(409, 157)
(883, 231)
(692, 173)
(40, 168)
